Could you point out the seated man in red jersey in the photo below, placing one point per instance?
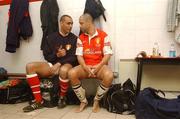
(93, 53)
(59, 51)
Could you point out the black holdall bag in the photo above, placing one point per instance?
(71, 98)
(106, 101)
(14, 91)
(3, 74)
(149, 105)
(49, 90)
(120, 99)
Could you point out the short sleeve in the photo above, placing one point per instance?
(79, 49)
(107, 46)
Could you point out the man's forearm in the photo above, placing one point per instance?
(105, 60)
(81, 60)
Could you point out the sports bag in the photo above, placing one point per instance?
(14, 91)
(49, 90)
(149, 105)
(120, 99)
(3, 74)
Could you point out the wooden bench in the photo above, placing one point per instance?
(89, 84)
(13, 75)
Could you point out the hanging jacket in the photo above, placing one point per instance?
(49, 18)
(19, 24)
(94, 8)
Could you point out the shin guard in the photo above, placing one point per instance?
(80, 93)
(101, 90)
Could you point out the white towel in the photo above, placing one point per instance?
(177, 34)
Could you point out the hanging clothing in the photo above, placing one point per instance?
(94, 8)
(177, 31)
(49, 18)
(173, 15)
(19, 25)
(177, 34)
(173, 18)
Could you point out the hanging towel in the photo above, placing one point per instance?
(172, 15)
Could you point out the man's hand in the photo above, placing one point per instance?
(55, 68)
(96, 68)
(61, 52)
(89, 70)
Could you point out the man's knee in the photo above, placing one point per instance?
(63, 71)
(109, 74)
(30, 67)
(107, 78)
(72, 73)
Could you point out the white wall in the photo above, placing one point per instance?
(133, 25)
(29, 50)
(164, 77)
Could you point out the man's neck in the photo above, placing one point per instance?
(63, 34)
(92, 31)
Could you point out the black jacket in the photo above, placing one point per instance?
(94, 8)
(49, 18)
(19, 24)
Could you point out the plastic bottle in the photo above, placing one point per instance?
(172, 51)
(155, 51)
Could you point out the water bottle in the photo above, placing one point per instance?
(172, 51)
(155, 51)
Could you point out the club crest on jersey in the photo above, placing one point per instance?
(98, 40)
(68, 46)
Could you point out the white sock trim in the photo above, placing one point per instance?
(35, 86)
(31, 75)
(80, 93)
(63, 80)
(84, 100)
(35, 92)
(101, 90)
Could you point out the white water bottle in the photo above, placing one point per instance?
(155, 51)
(172, 51)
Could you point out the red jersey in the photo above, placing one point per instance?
(92, 49)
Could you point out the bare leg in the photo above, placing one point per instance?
(43, 69)
(63, 84)
(34, 70)
(96, 107)
(106, 75)
(75, 74)
(81, 107)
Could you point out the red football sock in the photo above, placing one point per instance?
(64, 84)
(34, 84)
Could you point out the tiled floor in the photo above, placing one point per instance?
(14, 111)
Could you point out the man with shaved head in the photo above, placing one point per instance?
(93, 53)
